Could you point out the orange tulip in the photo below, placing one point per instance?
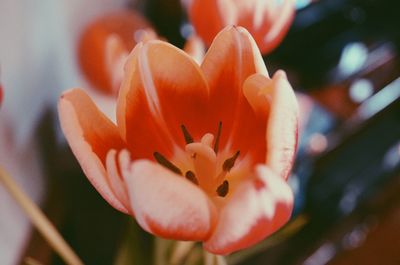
(198, 153)
(268, 21)
(106, 42)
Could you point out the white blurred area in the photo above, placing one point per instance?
(38, 61)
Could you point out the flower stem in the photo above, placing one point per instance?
(31, 261)
(211, 259)
(221, 260)
(160, 250)
(208, 258)
(40, 221)
(180, 251)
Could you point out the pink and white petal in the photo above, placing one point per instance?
(113, 166)
(282, 130)
(174, 77)
(90, 135)
(231, 59)
(255, 90)
(168, 205)
(257, 208)
(233, 54)
(136, 121)
(153, 101)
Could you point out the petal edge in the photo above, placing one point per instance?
(257, 209)
(82, 140)
(166, 204)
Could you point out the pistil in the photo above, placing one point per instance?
(200, 165)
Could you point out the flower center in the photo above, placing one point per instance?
(202, 163)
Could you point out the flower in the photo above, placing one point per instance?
(268, 21)
(106, 42)
(104, 47)
(198, 153)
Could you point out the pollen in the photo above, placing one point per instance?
(166, 163)
(223, 189)
(203, 163)
(192, 177)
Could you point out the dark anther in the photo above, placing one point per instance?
(223, 189)
(230, 162)
(166, 163)
(217, 138)
(192, 177)
(186, 134)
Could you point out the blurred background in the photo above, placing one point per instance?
(342, 57)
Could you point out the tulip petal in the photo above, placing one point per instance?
(92, 45)
(256, 89)
(256, 209)
(280, 24)
(115, 180)
(153, 101)
(90, 135)
(232, 58)
(134, 118)
(210, 16)
(115, 56)
(282, 134)
(168, 205)
(268, 21)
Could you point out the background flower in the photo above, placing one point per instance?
(268, 21)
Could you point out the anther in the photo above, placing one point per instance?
(217, 138)
(223, 189)
(230, 162)
(192, 177)
(166, 163)
(186, 134)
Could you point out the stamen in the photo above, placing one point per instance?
(230, 162)
(223, 189)
(217, 138)
(166, 163)
(186, 134)
(192, 177)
